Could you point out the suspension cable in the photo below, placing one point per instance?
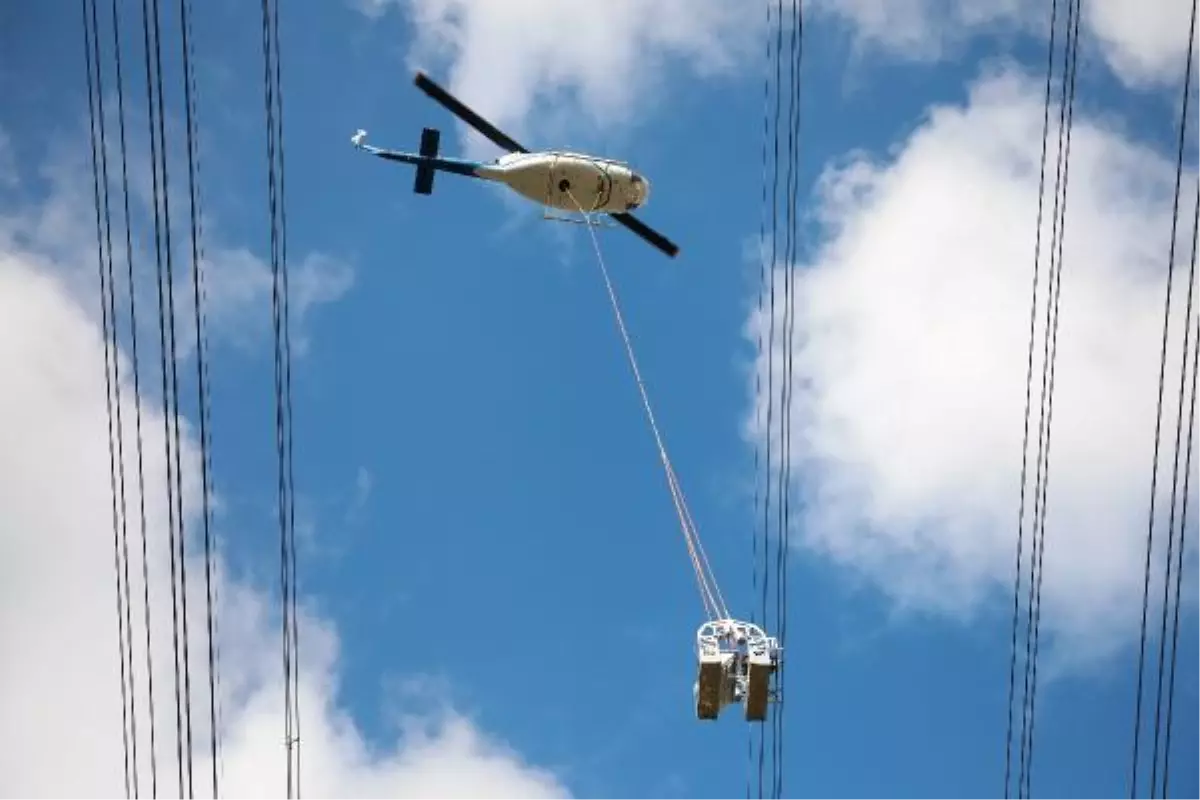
(710, 594)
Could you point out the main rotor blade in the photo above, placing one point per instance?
(643, 230)
(459, 109)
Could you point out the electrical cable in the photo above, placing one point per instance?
(162, 250)
(1187, 474)
(764, 476)
(770, 357)
(797, 46)
(1137, 720)
(129, 248)
(137, 400)
(152, 36)
(271, 81)
(1058, 237)
(1162, 640)
(197, 308)
(95, 90)
(1012, 667)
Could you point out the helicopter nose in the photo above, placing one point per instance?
(639, 191)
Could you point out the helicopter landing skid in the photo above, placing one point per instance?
(591, 222)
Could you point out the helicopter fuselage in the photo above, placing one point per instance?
(570, 181)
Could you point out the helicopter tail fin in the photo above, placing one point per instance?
(423, 183)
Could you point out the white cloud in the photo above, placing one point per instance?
(238, 294)
(600, 63)
(1144, 43)
(910, 357)
(61, 225)
(928, 29)
(59, 681)
(556, 69)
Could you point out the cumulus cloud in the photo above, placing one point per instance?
(59, 680)
(555, 68)
(910, 355)
(1144, 43)
(594, 64)
(238, 290)
(928, 29)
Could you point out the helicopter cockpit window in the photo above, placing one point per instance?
(639, 189)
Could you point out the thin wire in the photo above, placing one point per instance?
(1162, 639)
(137, 407)
(721, 610)
(770, 353)
(161, 233)
(1187, 474)
(760, 477)
(193, 178)
(1061, 220)
(762, 235)
(713, 606)
(1043, 417)
(174, 402)
(280, 405)
(1137, 718)
(145, 557)
(279, 413)
(120, 438)
(287, 366)
(96, 121)
(771, 326)
(708, 593)
(797, 51)
(1012, 666)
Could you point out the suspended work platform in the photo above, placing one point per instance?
(737, 660)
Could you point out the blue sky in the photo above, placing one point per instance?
(486, 532)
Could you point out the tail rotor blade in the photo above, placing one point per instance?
(460, 110)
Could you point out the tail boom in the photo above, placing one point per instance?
(427, 161)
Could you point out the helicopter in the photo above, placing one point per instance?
(557, 179)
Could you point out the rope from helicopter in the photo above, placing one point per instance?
(736, 659)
